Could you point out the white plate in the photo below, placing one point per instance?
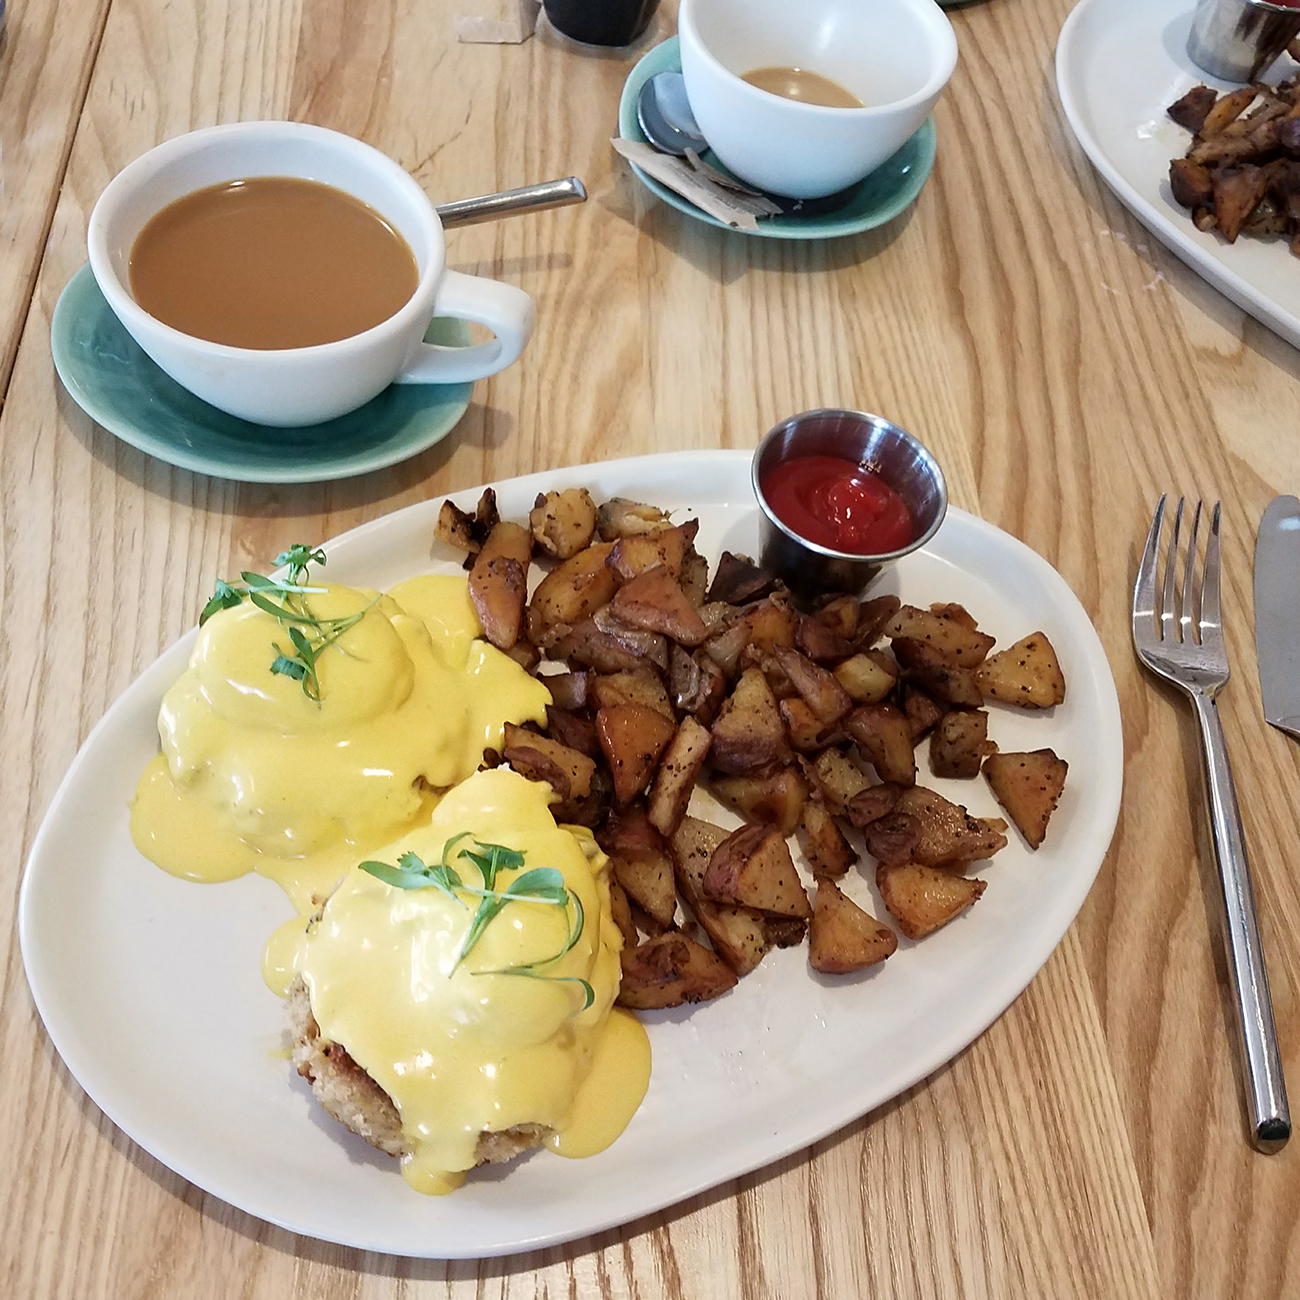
(150, 986)
(1119, 65)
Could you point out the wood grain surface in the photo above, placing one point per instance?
(1064, 368)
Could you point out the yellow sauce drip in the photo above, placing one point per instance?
(609, 1095)
(254, 776)
(462, 1051)
(282, 956)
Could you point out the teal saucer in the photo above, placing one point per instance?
(889, 190)
(112, 380)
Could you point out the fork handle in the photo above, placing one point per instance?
(1270, 1119)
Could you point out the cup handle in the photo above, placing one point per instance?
(508, 312)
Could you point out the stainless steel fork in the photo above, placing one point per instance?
(1180, 638)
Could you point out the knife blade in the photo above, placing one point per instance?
(1277, 612)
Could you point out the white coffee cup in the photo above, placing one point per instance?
(894, 55)
(295, 386)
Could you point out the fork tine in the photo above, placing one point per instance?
(1210, 622)
(1186, 623)
(1168, 620)
(1144, 589)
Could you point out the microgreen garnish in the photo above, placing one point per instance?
(540, 885)
(285, 600)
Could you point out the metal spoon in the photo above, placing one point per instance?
(528, 198)
(665, 117)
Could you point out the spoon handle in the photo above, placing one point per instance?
(529, 198)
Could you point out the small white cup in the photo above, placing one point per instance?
(894, 55)
(295, 386)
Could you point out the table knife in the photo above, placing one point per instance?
(1277, 612)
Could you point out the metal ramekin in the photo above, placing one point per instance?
(871, 441)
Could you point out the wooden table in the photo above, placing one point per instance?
(1064, 368)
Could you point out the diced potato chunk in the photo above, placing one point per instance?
(680, 767)
(923, 899)
(823, 843)
(671, 970)
(563, 522)
(753, 867)
(1028, 787)
(1027, 674)
(774, 798)
(959, 744)
(498, 583)
(748, 735)
(573, 591)
(885, 740)
(654, 602)
(956, 640)
(632, 738)
(843, 937)
(865, 679)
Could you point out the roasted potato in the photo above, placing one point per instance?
(739, 934)
(586, 644)
(563, 523)
(885, 739)
(837, 778)
(938, 675)
(632, 738)
(738, 580)
(748, 735)
(670, 970)
(865, 678)
(1028, 787)
(872, 616)
(920, 709)
(664, 549)
(654, 602)
(456, 528)
(772, 624)
(807, 732)
(643, 686)
(621, 911)
(1027, 674)
(960, 743)
(698, 685)
(773, 798)
(948, 834)
(573, 730)
(670, 794)
(822, 841)
(619, 517)
(819, 640)
(568, 690)
(540, 758)
(641, 863)
(842, 937)
(574, 590)
(955, 639)
(840, 615)
(753, 867)
(694, 577)
(651, 647)
(892, 837)
(874, 802)
(922, 899)
(823, 694)
(498, 583)
(784, 931)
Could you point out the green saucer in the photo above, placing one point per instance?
(877, 199)
(111, 379)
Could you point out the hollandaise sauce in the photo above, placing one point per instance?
(254, 775)
(460, 1045)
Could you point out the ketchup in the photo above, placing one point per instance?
(838, 504)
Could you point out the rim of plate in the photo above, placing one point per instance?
(323, 469)
(748, 1153)
(665, 57)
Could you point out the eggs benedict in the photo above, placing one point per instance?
(454, 998)
(317, 721)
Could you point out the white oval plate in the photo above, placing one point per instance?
(150, 986)
(1119, 65)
